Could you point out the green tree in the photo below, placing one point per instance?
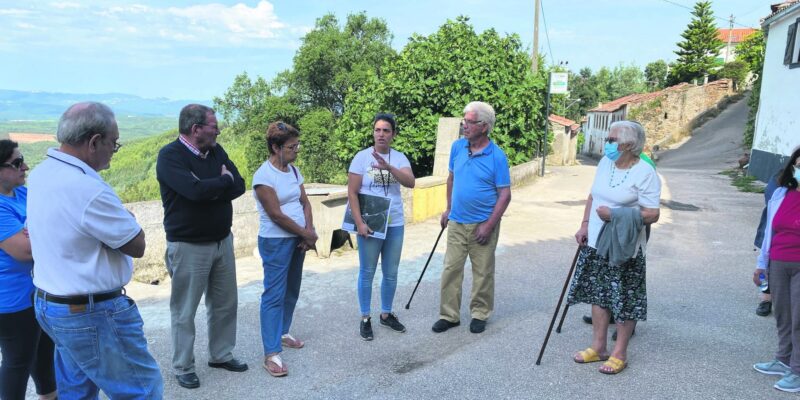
(751, 51)
(436, 76)
(317, 158)
(736, 71)
(698, 51)
(583, 87)
(655, 75)
(334, 60)
(625, 80)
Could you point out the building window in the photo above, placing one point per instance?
(791, 56)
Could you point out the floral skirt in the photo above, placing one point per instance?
(621, 288)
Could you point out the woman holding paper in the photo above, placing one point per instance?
(379, 171)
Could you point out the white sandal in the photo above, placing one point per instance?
(291, 342)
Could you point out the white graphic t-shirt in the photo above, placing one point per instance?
(382, 183)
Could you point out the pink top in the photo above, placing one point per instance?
(786, 230)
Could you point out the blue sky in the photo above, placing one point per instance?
(183, 49)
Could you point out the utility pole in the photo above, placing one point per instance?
(535, 55)
(730, 39)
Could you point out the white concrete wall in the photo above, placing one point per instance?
(777, 124)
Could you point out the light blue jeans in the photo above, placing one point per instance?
(100, 346)
(389, 250)
(283, 270)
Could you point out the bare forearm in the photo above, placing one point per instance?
(587, 209)
(405, 176)
(650, 215)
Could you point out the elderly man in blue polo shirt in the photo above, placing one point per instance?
(478, 193)
(82, 239)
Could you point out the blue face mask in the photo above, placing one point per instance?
(797, 174)
(611, 151)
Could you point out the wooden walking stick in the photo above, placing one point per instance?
(558, 306)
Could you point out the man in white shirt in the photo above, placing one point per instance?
(82, 239)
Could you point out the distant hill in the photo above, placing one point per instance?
(23, 105)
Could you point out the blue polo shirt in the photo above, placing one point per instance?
(476, 178)
(16, 283)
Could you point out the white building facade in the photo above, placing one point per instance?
(777, 129)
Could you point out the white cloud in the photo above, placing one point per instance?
(128, 23)
(64, 4)
(14, 11)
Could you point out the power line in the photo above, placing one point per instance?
(547, 34)
(714, 15)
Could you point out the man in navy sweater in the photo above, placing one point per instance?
(198, 182)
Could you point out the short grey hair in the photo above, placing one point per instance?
(82, 120)
(485, 113)
(630, 132)
(193, 114)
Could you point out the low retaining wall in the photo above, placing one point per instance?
(427, 200)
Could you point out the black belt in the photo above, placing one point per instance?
(79, 299)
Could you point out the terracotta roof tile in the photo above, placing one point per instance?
(737, 35)
(561, 120)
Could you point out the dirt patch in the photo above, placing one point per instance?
(20, 137)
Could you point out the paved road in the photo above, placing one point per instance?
(699, 341)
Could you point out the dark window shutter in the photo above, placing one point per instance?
(791, 36)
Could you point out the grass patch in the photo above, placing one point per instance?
(745, 183)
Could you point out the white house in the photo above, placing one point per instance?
(731, 38)
(777, 130)
(598, 120)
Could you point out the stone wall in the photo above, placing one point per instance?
(671, 116)
(564, 146)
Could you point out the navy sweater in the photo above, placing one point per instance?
(196, 198)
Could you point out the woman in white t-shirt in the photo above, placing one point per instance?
(622, 180)
(379, 171)
(285, 232)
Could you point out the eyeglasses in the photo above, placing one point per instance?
(214, 127)
(471, 122)
(294, 147)
(15, 163)
(117, 145)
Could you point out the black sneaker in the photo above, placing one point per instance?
(443, 325)
(477, 325)
(392, 323)
(366, 328)
(764, 308)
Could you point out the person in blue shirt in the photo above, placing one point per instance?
(478, 193)
(27, 351)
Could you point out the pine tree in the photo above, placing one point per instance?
(698, 51)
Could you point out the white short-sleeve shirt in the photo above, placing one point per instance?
(638, 186)
(381, 183)
(287, 187)
(76, 224)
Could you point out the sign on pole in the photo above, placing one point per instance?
(558, 82)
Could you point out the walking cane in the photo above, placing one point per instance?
(558, 306)
(424, 268)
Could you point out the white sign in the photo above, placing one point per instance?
(558, 82)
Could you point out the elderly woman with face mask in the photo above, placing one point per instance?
(286, 231)
(26, 350)
(625, 197)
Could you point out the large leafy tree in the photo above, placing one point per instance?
(698, 51)
(655, 74)
(334, 60)
(436, 76)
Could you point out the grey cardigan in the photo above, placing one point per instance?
(619, 239)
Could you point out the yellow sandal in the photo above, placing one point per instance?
(615, 364)
(588, 356)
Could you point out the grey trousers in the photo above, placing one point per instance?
(784, 283)
(202, 268)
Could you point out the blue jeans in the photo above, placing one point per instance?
(283, 271)
(389, 250)
(100, 346)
